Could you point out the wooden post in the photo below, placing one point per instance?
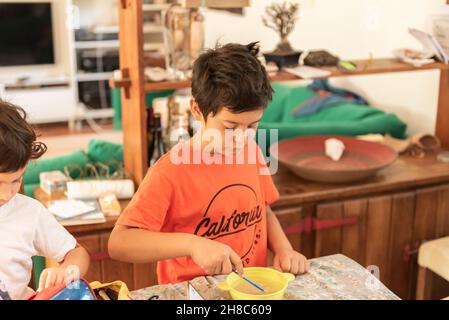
(133, 101)
(442, 125)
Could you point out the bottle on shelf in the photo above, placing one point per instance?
(158, 146)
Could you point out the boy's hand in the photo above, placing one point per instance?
(215, 257)
(291, 261)
(54, 276)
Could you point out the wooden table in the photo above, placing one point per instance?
(334, 277)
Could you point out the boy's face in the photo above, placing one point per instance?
(234, 129)
(10, 183)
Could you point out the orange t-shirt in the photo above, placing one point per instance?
(223, 202)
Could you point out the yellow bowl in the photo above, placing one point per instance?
(276, 282)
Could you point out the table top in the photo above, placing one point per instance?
(334, 277)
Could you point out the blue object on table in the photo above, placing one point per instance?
(249, 281)
(77, 290)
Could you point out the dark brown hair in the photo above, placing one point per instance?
(18, 142)
(230, 76)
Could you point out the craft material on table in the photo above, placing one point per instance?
(273, 281)
(334, 148)
(193, 294)
(53, 181)
(257, 286)
(66, 209)
(92, 189)
(334, 277)
(76, 212)
(109, 204)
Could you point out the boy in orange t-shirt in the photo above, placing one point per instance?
(203, 208)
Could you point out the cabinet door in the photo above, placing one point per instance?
(340, 227)
(400, 265)
(377, 235)
(136, 276)
(92, 243)
(328, 239)
(353, 237)
(297, 225)
(113, 270)
(442, 218)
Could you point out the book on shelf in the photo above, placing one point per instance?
(430, 44)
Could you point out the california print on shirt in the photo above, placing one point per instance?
(235, 210)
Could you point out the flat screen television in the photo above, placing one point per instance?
(26, 34)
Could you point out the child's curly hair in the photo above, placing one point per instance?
(18, 142)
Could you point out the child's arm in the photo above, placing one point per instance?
(285, 258)
(75, 265)
(142, 246)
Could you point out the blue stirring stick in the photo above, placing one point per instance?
(249, 281)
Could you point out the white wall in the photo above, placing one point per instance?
(97, 12)
(352, 29)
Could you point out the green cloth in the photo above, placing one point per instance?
(38, 267)
(98, 151)
(105, 152)
(29, 189)
(102, 151)
(344, 119)
(35, 167)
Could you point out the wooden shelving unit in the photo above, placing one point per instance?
(135, 87)
(365, 67)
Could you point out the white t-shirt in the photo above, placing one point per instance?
(27, 229)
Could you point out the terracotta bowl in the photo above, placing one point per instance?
(305, 156)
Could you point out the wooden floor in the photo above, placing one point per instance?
(62, 128)
(60, 140)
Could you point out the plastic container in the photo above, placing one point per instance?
(274, 281)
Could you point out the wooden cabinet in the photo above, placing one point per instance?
(104, 269)
(297, 224)
(383, 231)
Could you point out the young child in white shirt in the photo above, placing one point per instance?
(26, 227)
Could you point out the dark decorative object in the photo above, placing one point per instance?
(281, 18)
(321, 58)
